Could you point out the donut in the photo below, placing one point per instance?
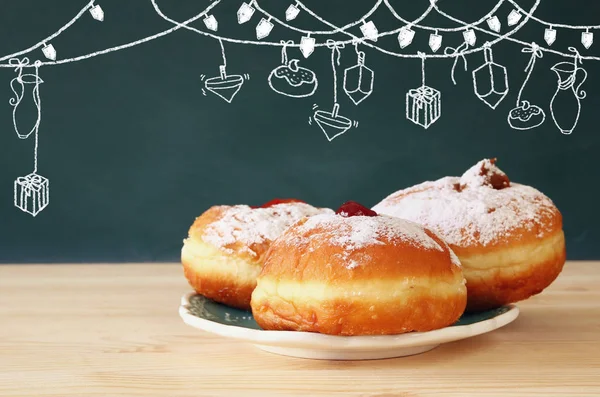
(358, 273)
(508, 236)
(226, 246)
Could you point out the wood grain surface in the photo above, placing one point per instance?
(113, 330)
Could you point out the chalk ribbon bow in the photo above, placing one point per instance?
(335, 48)
(535, 52)
(19, 64)
(458, 52)
(30, 183)
(284, 44)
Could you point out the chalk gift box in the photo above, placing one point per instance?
(423, 105)
(31, 193)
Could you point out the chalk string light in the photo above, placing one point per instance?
(184, 24)
(527, 15)
(107, 50)
(517, 18)
(464, 25)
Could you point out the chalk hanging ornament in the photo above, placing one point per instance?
(331, 122)
(423, 104)
(31, 192)
(358, 80)
(565, 106)
(26, 88)
(291, 80)
(526, 116)
(224, 86)
(490, 80)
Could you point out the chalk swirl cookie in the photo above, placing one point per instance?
(357, 273)
(226, 246)
(508, 236)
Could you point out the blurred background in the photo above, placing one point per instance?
(134, 146)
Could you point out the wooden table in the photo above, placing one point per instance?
(113, 330)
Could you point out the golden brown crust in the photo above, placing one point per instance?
(222, 277)
(226, 247)
(421, 312)
(512, 275)
(309, 284)
(220, 288)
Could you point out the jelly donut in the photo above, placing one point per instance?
(358, 273)
(508, 236)
(226, 245)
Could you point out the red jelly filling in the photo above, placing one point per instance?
(352, 208)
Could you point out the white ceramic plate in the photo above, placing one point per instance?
(204, 314)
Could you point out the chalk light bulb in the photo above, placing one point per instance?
(97, 13)
(435, 41)
(587, 39)
(494, 24)
(369, 30)
(263, 29)
(470, 37)
(514, 17)
(291, 12)
(405, 37)
(307, 45)
(245, 13)
(49, 52)
(211, 23)
(550, 35)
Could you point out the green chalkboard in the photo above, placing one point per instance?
(136, 143)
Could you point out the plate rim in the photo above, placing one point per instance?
(316, 340)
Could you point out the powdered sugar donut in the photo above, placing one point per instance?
(356, 273)
(225, 250)
(508, 236)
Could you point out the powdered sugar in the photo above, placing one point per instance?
(454, 259)
(478, 214)
(354, 233)
(352, 264)
(481, 173)
(248, 226)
